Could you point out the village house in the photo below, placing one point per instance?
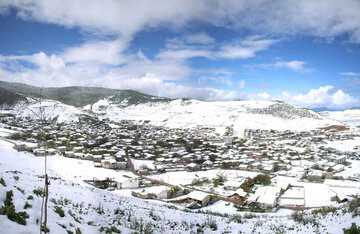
(265, 197)
(129, 182)
(198, 197)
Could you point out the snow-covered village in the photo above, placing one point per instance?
(177, 116)
(214, 171)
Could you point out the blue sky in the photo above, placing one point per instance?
(302, 52)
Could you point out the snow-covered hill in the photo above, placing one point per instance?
(349, 117)
(192, 113)
(184, 113)
(46, 109)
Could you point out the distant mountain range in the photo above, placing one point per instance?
(10, 98)
(77, 96)
(118, 105)
(321, 109)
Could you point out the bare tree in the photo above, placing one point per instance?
(43, 115)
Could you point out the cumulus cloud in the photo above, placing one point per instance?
(108, 63)
(264, 95)
(323, 96)
(60, 70)
(54, 71)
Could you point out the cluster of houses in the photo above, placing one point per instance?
(304, 154)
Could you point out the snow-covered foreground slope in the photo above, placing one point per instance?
(50, 110)
(349, 117)
(240, 114)
(94, 210)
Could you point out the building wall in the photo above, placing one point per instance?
(130, 183)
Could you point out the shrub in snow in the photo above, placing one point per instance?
(2, 182)
(211, 222)
(324, 211)
(112, 229)
(59, 211)
(9, 210)
(303, 218)
(27, 205)
(354, 229)
(353, 205)
(38, 192)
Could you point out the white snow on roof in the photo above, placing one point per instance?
(139, 164)
(294, 193)
(197, 195)
(342, 183)
(291, 202)
(268, 195)
(241, 192)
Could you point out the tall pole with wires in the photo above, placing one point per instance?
(44, 204)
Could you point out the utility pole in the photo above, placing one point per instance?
(44, 205)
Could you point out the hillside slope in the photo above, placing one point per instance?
(49, 110)
(98, 211)
(193, 113)
(8, 98)
(349, 117)
(185, 113)
(80, 96)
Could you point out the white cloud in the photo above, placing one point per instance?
(199, 38)
(241, 84)
(183, 54)
(349, 74)
(322, 97)
(325, 19)
(247, 48)
(264, 95)
(340, 98)
(54, 71)
(109, 52)
(118, 17)
(210, 80)
(236, 49)
(105, 63)
(352, 82)
(315, 96)
(294, 65)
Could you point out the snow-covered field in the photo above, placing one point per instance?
(185, 178)
(240, 114)
(344, 145)
(349, 117)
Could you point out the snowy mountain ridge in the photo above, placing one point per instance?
(194, 113)
(66, 103)
(349, 117)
